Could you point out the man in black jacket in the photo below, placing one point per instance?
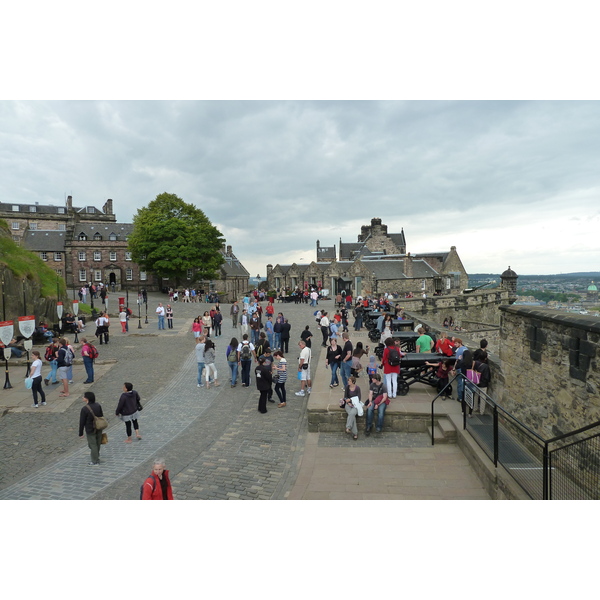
(264, 379)
(285, 336)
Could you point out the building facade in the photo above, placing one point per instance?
(376, 264)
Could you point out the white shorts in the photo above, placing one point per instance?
(305, 374)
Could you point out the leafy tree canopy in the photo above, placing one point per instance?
(169, 237)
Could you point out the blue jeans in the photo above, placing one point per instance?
(380, 415)
(234, 371)
(277, 340)
(255, 333)
(358, 323)
(346, 371)
(161, 322)
(246, 364)
(88, 363)
(334, 369)
(460, 387)
(270, 338)
(200, 370)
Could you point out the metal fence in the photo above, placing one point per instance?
(566, 467)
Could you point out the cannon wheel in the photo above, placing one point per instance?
(402, 387)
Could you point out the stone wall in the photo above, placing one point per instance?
(550, 372)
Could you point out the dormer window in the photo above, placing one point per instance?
(97, 237)
(112, 237)
(82, 237)
(32, 209)
(90, 209)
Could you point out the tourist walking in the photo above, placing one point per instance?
(245, 354)
(64, 360)
(264, 380)
(127, 410)
(90, 410)
(206, 324)
(102, 324)
(36, 375)
(333, 360)
(197, 327)
(391, 366)
(346, 364)
(285, 336)
(209, 361)
(199, 350)
(304, 369)
(234, 312)
(280, 377)
(232, 359)
(169, 315)
(50, 356)
(157, 485)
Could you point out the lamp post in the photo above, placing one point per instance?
(7, 353)
(139, 301)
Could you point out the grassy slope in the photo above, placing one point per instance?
(24, 263)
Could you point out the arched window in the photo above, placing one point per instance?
(97, 237)
(82, 237)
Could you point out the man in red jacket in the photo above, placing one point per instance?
(158, 485)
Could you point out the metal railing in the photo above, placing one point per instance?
(566, 467)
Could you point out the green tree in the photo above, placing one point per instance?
(169, 237)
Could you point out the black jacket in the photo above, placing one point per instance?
(127, 403)
(264, 378)
(85, 417)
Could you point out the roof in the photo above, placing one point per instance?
(25, 209)
(398, 238)
(45, 241)
(394, 269)
(326, 252)
(349, 249)
(121, 230)
(232, 267)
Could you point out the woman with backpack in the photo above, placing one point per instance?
(51, 356)
(232, 359)
(88, 353)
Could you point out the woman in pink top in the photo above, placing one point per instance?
(197, 327)
(391, 372)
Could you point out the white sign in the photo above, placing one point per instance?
(75, 307)
(7, 353)
(6, 332)
(28, 345)
(59, 309)
(27, 326)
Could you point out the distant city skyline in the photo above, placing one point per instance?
(507, 183)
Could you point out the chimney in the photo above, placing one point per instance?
(408, 270)
(229, 252)
(108, 207)
(69, 203)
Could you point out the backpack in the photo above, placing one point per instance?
(143, 484)
(93, 352)
(245, 354)
(260, 350)
(49, 355)
(393, 357)
(69, 356)
(232, 356)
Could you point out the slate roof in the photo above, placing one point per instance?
(121, 230)
(232, 267)
(349, 249)
(24, 209)
(45, 241)
(327, 252)
(398, 239)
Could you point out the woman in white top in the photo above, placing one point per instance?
(209, 362)
(280, 377)
(36, 374)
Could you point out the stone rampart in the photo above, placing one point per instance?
(549, 374)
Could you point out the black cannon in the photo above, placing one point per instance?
(414, 370)
(407, 339)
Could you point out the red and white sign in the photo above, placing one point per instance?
(75, 307)
(27, 326)
(6, 332)
(59, 309)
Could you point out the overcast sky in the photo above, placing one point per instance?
(506, 182)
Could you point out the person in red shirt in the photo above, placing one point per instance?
(391, 372)
(444, 345)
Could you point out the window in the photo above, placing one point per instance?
(448, 283)
(112, 237)
(277, 282)
(190, 273)
(82, 275)
(81, 256)
(129, 274)
(127, 255)
(97, 275)
(97, 255)
(59, 272)
(90, 209)
(15, 225)
(33, 226)
(97, 237)
(82, 237)
(113, 256)
(33, 209)
(62, 227)
(61, 210)
(143, 276)
(422, 284)
(57, 256)
(15, 208)
(44, 255)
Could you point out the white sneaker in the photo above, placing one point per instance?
(300, 393)
(308, 390)
(34, 405)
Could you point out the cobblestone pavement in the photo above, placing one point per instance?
(215, 442)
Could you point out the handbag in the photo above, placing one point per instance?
(104, 439)
(473, 376)
(28, 382)
(100, 423)
(138, 403)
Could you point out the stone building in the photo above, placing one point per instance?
(86, 244)
(377, 263)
